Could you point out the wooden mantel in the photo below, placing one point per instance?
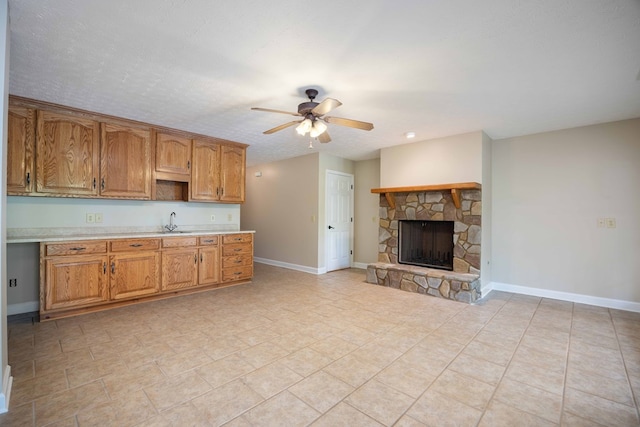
(389, 193)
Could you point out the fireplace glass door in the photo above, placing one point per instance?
(426, 243)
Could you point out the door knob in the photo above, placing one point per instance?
(331, 228)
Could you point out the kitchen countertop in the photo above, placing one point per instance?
(23, 235)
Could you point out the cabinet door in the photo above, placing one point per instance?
(232, 173)
(179, 269)
(205, 175)
(20, 151)
(134, 274)
(173, 157)
(66, 154)
(72, 281)
(125, 162)
(209, 266)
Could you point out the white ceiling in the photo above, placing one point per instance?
(438, 68)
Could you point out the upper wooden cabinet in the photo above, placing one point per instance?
(58, 151)
(21, 150)
(205, 175)
(173, 157)
(67, 158)
(125, 162)
(232, 173)
(218, 172)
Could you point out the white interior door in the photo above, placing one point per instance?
(339, 220)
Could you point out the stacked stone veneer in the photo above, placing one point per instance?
(461, 284)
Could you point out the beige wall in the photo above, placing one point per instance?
(548, 191)
(447, 160)
(487, 223)
(286, 208)
(366, 222)
(5, 370)
(282, 207)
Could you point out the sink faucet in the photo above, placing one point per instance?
(172, 226)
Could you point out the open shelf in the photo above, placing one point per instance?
(389, 193)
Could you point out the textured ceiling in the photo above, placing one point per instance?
(438, 68)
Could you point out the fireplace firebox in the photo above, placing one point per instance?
(426, 243)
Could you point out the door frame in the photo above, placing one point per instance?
(326, 216)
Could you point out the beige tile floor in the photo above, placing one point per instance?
(298, 349)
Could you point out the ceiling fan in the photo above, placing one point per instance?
(313, 116)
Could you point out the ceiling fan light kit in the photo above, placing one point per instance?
(313, 113)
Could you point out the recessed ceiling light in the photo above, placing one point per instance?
(410, 135)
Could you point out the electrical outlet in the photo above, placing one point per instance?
(98, 217)
(601, 223)
(611, 222)
(213, 218)
(13, 283)
(91, 218)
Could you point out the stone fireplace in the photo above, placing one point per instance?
(461, 204)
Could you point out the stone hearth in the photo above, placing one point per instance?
(461, 284)
(463, 287)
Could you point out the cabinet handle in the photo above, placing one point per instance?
(94, 183)
(237, 273)
(239, 262)
(78, 248)
(135, 245)
(188, 164)
(102, 184)
(217, 191)
(28, 178)
(222, 191)
(113, 268)
(195, 259)
(104, 268)
(208, 241)
(200, 257)
(238, 250)
(237, 239)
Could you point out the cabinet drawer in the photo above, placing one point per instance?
(77, 248)
(236, 261)
(178, 242)
(237, 238)
(238, 273)
(207, 240)
(239, 249)
(128, 245)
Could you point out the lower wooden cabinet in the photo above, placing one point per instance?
(237, 256)
(87, 275)
(75, 281)
(179, 269)
(134, 275)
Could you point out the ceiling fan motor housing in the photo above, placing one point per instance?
(306, 107)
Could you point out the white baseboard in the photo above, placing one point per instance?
(290, 266)
(23, 307)
(563, 296)
(5, 393)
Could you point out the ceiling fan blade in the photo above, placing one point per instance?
(269, 110)
(325, 106)
(278, 128)
(349, 123)
(324, 137)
